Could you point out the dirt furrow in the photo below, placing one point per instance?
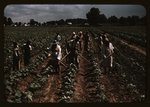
(24, 83)
(80, 84)
(48, 91)
(136, 48)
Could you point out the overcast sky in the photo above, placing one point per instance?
(43, 13)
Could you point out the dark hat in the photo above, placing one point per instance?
(15, 43)
(55, 42)
(28, 42)
(80, 32)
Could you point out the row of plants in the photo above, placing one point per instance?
(123, 48)
(130, 65)
(40, 39)
(67, 84)
(133, 70)
(13, 77)
(139, 31)
(94, 87)
(131, 38)
(39, 42)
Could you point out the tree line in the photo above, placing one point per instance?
(93, 17)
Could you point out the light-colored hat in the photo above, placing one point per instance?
(80, 32)
(73, 33)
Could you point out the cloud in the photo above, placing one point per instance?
(45, 13)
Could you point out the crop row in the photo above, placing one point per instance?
(12, 78)
(131, 38)
(94, 87)
(132, 70)
(129, 68)
(130, 65)
(67, 86)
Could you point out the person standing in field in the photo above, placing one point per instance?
(16, 56)
(107, 52)
(80, 36)
(68, 45)
(27, 48)
(72, 49)
(55, 56)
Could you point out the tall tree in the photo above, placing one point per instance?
(93, 16)
(143, 20)
(135, 20)
(123, 21)
(61, 22)
(32, 22)
(102, 18)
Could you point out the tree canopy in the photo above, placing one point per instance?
(93, 16)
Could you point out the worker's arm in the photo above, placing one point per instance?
(111, 47)
(49, 54)
(30, 47)
(59, 53)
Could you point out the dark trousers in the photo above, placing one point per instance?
(85, 46)
(16, 64)
(55, 64)
(26, 60)
(73, 58)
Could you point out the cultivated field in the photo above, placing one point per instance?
(126, 82)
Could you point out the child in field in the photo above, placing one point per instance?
(27, 48)
(55, 55)
(16, 56)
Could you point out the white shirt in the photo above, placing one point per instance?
(59, 52)
(111, 47)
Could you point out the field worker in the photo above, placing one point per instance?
(104, 36)
(27, 48)
(86, 41)
(107, 55)
(58, 37)
(73, 35)
(69, 45)
(16, 56)
(55, 56)
(73, 51)
(80, 35)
